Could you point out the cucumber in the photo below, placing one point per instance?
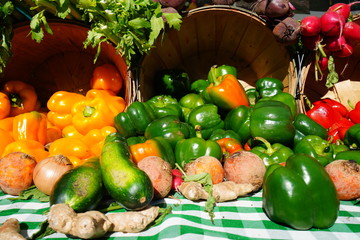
(81, 187)
(125, 182)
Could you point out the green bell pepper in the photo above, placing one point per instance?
(301, 194)
(164, 105)
(316, 147)
(304, 125)
(288, 99)
(238, 120)
(205, 118)
(189, 102)
(271, 153)
(199, 86)
(135, 140)
(252, 95)
(222, 133)
(269, 87)
(187, 150)
(171, 128)
(273, 121)
(134, 120)
(352, 136)
(173, 82)
(217, 71)
(348, 155)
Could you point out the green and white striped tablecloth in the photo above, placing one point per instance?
(241, 219)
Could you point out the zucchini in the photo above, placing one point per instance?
(125, 182)
(81, 187)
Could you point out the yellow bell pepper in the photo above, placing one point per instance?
(116, 104)
(7, 124)
(6, 139)
(95, 138)
(31, 147)
(60, 105)
(30, 126)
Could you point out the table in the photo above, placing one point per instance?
(240, 219)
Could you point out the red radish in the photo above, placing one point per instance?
(177, 179)
(310, 26)
(176, 173)
(323, 63)
(342, 8)
(332, 24)
(311, 42)
(346, 51)
(352, 31)
(334, 43)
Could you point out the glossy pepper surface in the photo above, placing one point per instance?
(30, 147)
(301, 194)
(304, 125)
(174, 82)
(352, 136)
(269, 87)
(199, 86)
(288, 99)
(229, 146)
(238, 120)
(273, 121)
(227, 92)
(164, 105)
(354, 114)
(106, 77)
(323, 114)
(206, 119)
(189, 102)
(349, 155)
(272, 153)
(338, 130)
(217, 71)
(6, 138)
(171, 128)
(30, 126)
(316, 147)
(222, 133)
(5, 106)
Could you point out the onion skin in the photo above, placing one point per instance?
(49, 170)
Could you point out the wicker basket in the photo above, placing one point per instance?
(347, 89)
(60, 61)
(216, 35)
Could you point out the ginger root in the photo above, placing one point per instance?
(94, 224)
(222, 192)
(10, 230)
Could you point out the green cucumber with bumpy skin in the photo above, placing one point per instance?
(81, 187)
(126, 183)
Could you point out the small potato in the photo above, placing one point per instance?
(159, 172)
(346, 177)
(245, 167)
(16, 172)
(207, 164)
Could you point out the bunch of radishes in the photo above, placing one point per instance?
(332, 34)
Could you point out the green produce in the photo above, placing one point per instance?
(252, 95)
(305, 125)
(189, 102)
(6, 9)
(222, 133)
(272, 153)
(352, 136)
(273, 121)
(164, 105)
(238, 120)
(316, 147)
(269, 87)
(348, 155)
(170, 128)
(206, 119)
(199, 86)
(135, 140)
(174, 82)
(134, 120)
(125, 182)
(288, 99)
(217, 71)
(81, 187)
(301, 194)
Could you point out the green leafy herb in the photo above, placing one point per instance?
(32, 193)
(44, 231)
(332, 76)
(6, 9)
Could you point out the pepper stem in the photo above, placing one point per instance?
(88, 111)
(269, 148)
(198, 131)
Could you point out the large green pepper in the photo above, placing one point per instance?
(252, 95)
(134, 120)
(288, 99)
(301, 194)
(169, 127)
(199, 86)
(174, 82)
(305, 125)
(269, 87)
(273, 121)
(164, 105)
(217, 71)
(352, 136)
(348, 155)
(316, 147)
(189, 102)
(205, 118)
(272, 153)
(238, 120)
(222, 133)
(187, 150)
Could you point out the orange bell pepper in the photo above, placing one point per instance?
(60, 105)
(52, 132)
(23, 97)
(229, 146)
(30, 126)
(70, 131)
(116, 104)
(73, 148)
(6, 139)
(7, 124)
(106, 77)
(5, 106)
(95, 138)
(31, 147)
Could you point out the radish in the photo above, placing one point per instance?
(310, 26)
(332, 24)
(352, 31)
(323, 63)
(342, 8)
(334, 43)
(346, 51)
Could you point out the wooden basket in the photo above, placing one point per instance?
(347, 89)
(216, 35)
(60, 61)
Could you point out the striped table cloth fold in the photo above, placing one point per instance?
(240, 219)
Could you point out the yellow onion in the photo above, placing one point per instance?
(49, 170)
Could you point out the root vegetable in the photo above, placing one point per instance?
(10, 230)
(352, 31)
(177, 4)
(159, 172)
(346, 177)
(310, 26)
(206, 164)
(16, 172)
(287, 31)
(245, 168)
(332, 24)
(272, 8)
(94, 224)
(224, 191)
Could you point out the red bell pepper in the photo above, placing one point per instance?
(354, 114)
(324, 114)
(337, 130)
(337, 106)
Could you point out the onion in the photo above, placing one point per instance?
(49, 170)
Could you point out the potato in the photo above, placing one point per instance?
(16, 172)
(159, 172)
(245, 167)
(346, 177)
(207, 164)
